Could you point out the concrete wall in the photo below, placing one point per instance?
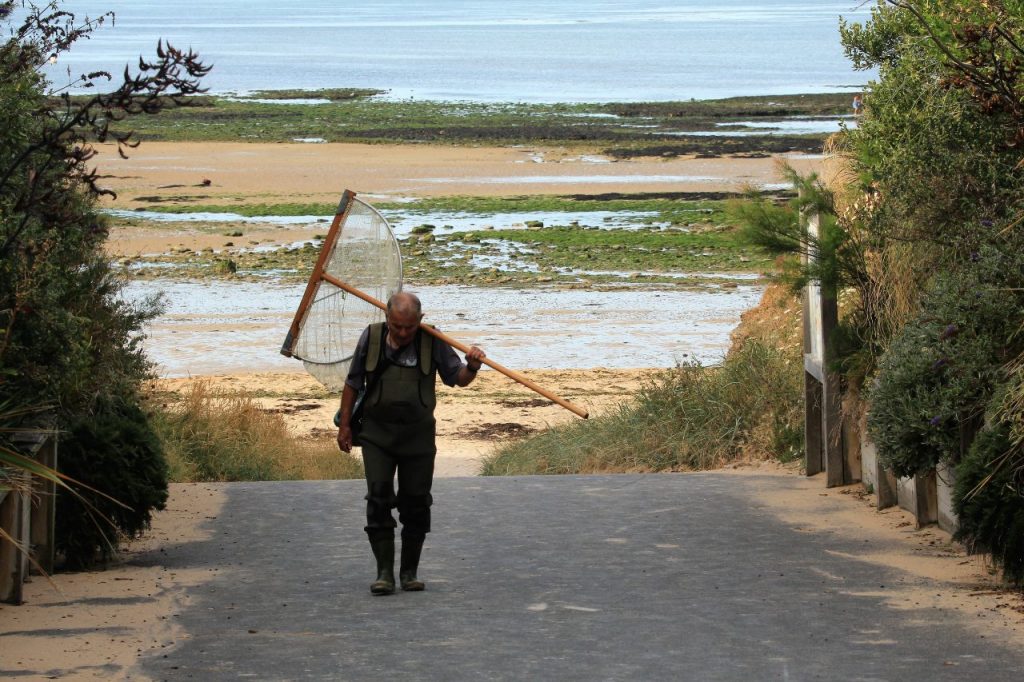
(918, 495)
(929, 497)
(945, 482)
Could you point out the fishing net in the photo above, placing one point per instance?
(361, 251)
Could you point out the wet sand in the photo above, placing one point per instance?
(224, 327)
(277, 173)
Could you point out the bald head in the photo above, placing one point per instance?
(403, 319)
(405, 304)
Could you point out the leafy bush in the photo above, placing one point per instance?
(835, 260)
(989, 501)
(114, 451)
(939, 373)
(936, 159)
(66, 340)
(690, 417)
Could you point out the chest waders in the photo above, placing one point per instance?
(399, 437)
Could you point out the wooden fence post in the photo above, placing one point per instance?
(823, 428)
(14, 519)
(44, 508)
(28, 514)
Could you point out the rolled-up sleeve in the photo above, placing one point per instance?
(447, 362)
(357, 369)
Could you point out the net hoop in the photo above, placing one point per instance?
(360, 249)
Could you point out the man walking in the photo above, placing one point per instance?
(396, 363)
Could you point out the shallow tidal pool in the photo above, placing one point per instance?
(223, 327)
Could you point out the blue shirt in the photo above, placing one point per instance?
(447, 362)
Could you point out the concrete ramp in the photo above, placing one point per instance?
(619, 577)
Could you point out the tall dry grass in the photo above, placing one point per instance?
(896, 267)
(687, 418)
(211, 435)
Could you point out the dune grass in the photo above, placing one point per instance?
(687, 418)
(217, 436)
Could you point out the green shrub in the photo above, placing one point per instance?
(115, 451)
(938, 374)
(690, 417)
(989, 501)
(67, 339)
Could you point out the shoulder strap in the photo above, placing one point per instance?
(426, 352)
(375, 347)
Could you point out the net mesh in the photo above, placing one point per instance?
(366, 256)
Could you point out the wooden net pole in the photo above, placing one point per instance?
(515, 376)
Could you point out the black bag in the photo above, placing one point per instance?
(355, 422)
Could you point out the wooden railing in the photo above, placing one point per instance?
(839, 446)
(27, 514)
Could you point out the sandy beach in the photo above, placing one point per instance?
(57, 627)
(239, 171)
(471, 421)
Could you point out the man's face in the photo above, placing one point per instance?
(402, 327)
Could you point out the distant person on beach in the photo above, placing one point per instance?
(396, 363)
(858, 105)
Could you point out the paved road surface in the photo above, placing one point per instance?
(629, 577)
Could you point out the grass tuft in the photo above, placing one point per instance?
(216, 436)
(687, 418)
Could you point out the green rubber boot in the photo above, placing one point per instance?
(384, 552)
(410, 562)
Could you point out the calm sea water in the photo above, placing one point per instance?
(490, 50)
